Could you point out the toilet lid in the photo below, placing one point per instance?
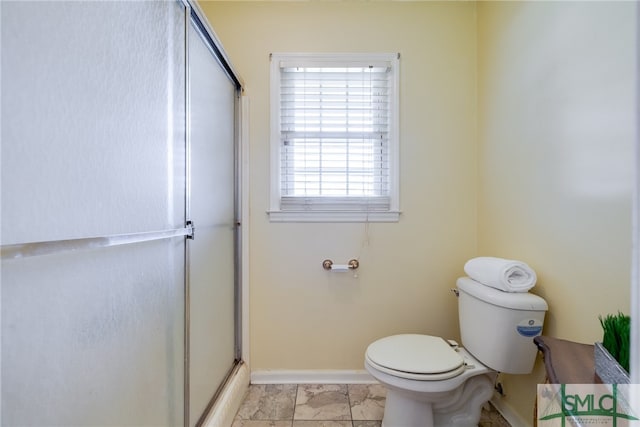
(416, 354)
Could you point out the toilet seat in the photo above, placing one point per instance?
(413, 356)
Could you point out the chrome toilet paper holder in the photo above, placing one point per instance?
(328, 265)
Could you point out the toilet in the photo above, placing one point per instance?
(432, 381)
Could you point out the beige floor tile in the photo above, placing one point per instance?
(308, 405)
(361, 423)
(322, 402)
(322, 423)
(367, 401)
(268, 402)
(490, 417)
(260, 423)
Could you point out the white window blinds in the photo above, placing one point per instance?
(335, 134)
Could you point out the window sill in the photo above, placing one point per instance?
(333, 216)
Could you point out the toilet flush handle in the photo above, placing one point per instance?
(455, 291)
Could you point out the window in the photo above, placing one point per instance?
(334, 137)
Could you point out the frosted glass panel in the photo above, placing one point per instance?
(92, 106)
(94, 338)
(212, 104)
(93, 144)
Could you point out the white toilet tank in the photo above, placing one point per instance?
(498, 327)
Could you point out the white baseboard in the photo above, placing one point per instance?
(507, 412)
(311, 377)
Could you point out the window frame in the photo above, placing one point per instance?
(333, 209)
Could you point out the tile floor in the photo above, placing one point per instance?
(323, 405)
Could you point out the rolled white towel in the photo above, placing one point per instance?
(504, 274)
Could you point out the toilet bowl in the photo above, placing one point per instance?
(431, 381)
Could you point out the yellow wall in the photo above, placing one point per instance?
(517, 130)
(302, 317)
(556, 114)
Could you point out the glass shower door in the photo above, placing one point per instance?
(212, 253)
(93, 145)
